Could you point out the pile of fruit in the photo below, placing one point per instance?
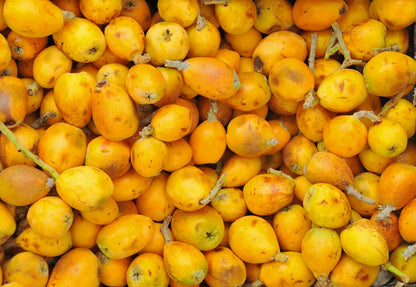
(207, 143)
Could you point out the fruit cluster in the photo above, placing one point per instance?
(207, 143)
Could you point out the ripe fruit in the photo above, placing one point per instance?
(237, 17)
(14, 103)
(363, 242)
(125, 236)
(147, 270)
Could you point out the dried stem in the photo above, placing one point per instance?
(351, 190)
(213, 110)
(201, 22)
(390, 104)
(348, 61)
(179, 65)
(164, 228)
(409, 252)
(209, 2)
(146, 131)
(141, 59)
(367, 114)
(394, 47)
(310, 100)
(280, 257)
(68, 15)
(256, 283)
(312, 52)
(41, 121)
(10, 135)
(218, 185)
(384, 212)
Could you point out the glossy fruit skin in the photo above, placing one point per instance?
(363, 241)
(81, 259)
(327, 206)
(150, 266)
(33, 18)
(253, 239)
(112, 240)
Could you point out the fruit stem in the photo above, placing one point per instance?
(141, 58)
(351, 190)
(164, 228)
(402, 277)
(212, 113)
(146, 131)
(41, 121)
(348, 61)
(280, 257)
(312, 52)
(279, 173)
(310, 100)
(10, 135)
(209, 2)
(256, 283)
(395, 48)
(409, 252)
(236, 81)
(201, 22)
(213, 192)
(332, 48)
(68, 15)
(179, 65)
(391, 103)
(368, 114)
(384, 212)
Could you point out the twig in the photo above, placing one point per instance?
(390, 104)
(348, 61)
(10, 135)
(312, 52)
(40, 122)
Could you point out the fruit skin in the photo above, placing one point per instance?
(253, 239)
(8, 225)
(147, 270)
(22, 185)
(312, 15)
(125, 236)
(210, 77)
(81, 40)
(13, 106)
(389, 73)
(84, 187)
(32, 18)
(365, 243)
(327, 206)
(78, 267)
(184, 263)
(293, 272)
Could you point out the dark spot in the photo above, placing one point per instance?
(117, 35)
(258, 64)
(10, 123)
(93, 50)
(254, 222)
(51, 80)
(343, 10)
(324, 202)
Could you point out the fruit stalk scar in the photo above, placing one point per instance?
(10, 135)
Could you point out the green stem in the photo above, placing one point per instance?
(10, 135)
(391, 268)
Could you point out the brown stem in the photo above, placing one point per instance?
(384, 212)
(409, 252)
(351, 190)
(391, 103)
(312, 52)
(10, 135)
(164, 228)
(40, 122)
(213, 192)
